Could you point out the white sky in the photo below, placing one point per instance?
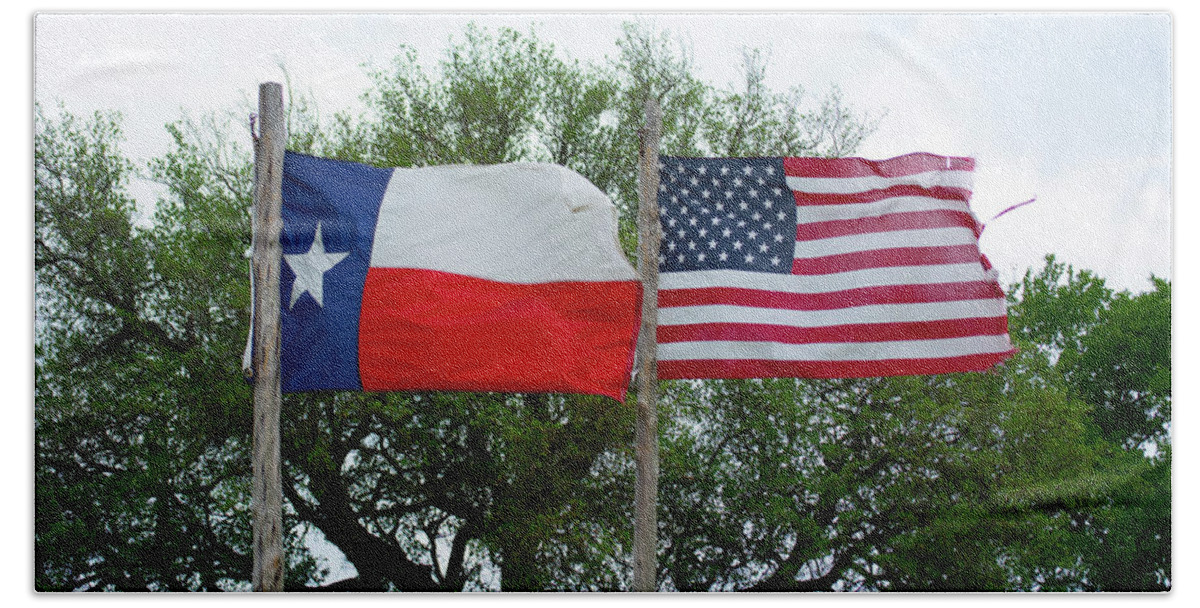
(1073, 108)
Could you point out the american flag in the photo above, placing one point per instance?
(823, 268)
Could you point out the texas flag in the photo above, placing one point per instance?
(476, 278)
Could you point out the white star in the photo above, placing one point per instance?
(310, 268)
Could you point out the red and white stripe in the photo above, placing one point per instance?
(497, 278)
(887, 279)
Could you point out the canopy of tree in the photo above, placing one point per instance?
(1051, 472)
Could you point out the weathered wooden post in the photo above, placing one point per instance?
(645, 497)
(267, 493)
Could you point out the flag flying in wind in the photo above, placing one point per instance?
(479, 278)
(823, 268)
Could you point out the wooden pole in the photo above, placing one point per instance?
(267, 493)
(645, 496)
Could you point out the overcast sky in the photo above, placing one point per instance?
(1075, 108)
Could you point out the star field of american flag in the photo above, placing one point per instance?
(725, 214)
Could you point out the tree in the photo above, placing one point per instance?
(1123, 367)
(896, 483)
(1114, 350)
(139, 411)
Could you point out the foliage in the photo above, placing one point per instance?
(1114, 352)
(1114, 349)
(1052, 472)
(140, 447)
(870, 484)
(1124, 367)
